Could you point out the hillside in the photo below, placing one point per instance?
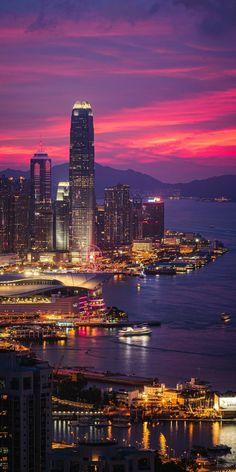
(143, 184)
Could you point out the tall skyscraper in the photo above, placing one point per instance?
(99, 226)
(117, 224)
(136, 218)
(81, 176)
(14, 215)
(25, 405)
(61, 217)
(153, 219)
(41, 216)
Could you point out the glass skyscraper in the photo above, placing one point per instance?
(117, 227)
(14, 214)
(41, 216)
(81, 177)
(61, 217)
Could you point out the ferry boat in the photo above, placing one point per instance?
(226, 317)
(138, 330)
(220, 449)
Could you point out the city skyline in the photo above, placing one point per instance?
(160, 76)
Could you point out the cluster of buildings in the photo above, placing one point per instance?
(73, 226)
(190, 399)
(26, 426)
(26, 419)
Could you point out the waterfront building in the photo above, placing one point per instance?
(153, 219)
(100, 226)
(41, 215)
(225, 404)
(136, 217)
(102, 455)
(117, 220)
(61, 217)
(159, 395)
(52, 293)
(142, 246)
(25, 404)
(14, 215)
(81, 177)
(126, 398)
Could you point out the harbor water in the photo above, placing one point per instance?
(192, 340)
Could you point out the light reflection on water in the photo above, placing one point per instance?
(191, 341)
(167, 437)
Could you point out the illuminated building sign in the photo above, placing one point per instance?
(227, 403)
(154, 200)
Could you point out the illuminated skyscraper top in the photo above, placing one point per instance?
(81, 177)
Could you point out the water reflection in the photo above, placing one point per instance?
(216, 433)
(190, 432)
(146, 435)
(168, 437)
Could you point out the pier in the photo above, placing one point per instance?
(116, 324)
(106, 377)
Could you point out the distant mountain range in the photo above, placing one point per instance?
(143, 184)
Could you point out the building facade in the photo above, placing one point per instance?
(102, 456)
(14, 215)
(41, 215)
(153, 219)
(100, 226)
(137, 214)
(58, 294)
(61, 218)
(117, 218)
(81, 177)
(25, 403)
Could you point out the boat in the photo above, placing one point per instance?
(121, 422)
(219, 449)
(137, 330)
(225, 317)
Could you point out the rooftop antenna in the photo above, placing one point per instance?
(40, 144)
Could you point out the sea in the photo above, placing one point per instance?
(192, 341)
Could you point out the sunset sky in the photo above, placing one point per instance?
(160, 75)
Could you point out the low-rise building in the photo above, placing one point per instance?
(126, 398)
(51, 293)
(225, 404)
(102, 456)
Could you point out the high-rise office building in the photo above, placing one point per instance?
(136, 217)
(100, 226)
(81, 176)
(14, 215)
(6, 214)
(153, 219)
(61, 217)
(25, 404)
(117, 226)
(41, 216)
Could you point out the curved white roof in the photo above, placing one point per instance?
(19, 284)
